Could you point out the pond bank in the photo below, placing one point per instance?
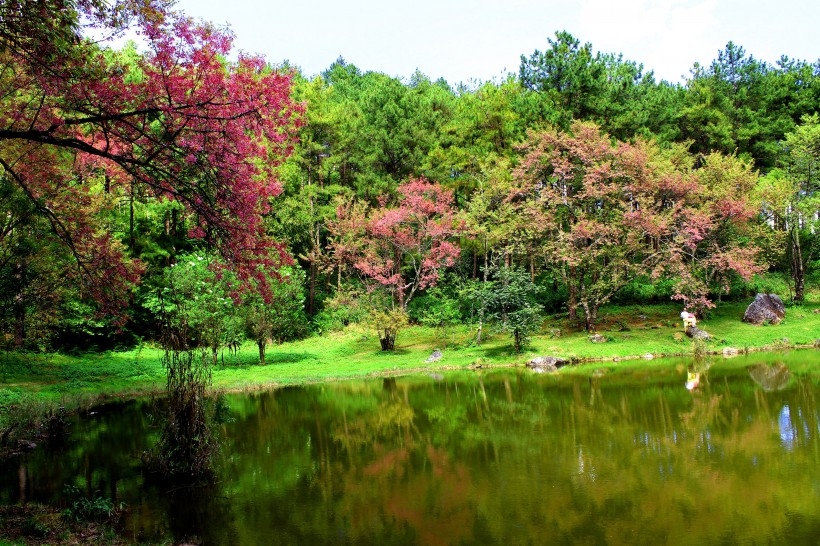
(629, 334)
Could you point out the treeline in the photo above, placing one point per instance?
(580, 181)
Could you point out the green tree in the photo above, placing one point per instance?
(568, 74)
(739, 104)
(195, 303)
(281, 315)
(791, 199)
(511, 299)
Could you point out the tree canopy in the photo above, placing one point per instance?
(581, 172)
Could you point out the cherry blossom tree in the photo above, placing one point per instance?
(81, 125)
(400, 248)
(609, 212)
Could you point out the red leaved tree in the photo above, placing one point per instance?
(80, 125)
(400, 248)
(609, 212)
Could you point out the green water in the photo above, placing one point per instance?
(505, 457)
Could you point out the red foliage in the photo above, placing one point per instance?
(609, 212)
(178, 120)
(402, 248)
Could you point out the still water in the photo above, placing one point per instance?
(502, 457)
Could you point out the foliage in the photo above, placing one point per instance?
(119, 163)
(280, 317)
(83, 128)
(512, 301)
(195, 303)
(387, 321)
(605, 213)
(349, 305)
(439, 309)
(791, 201)
(96, 508)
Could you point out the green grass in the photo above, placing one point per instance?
(631, 331)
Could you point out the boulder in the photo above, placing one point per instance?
(547, 363)
(434, 356)
(597, 338)
(766, 308)
(696, 333)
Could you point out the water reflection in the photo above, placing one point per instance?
(771, 377)
(508, 456)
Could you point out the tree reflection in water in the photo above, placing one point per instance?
(507, 456)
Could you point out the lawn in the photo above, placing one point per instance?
(632, 333)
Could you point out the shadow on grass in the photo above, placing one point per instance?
(394, 352)
(503, 351)
(271, 358)
(286, 358)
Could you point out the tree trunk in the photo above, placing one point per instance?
(590, 317)
(20, 305)
(798, 268)
(572, 295)
(262, 344)
(517, 340)
(312, 292)
(485, 273)
(388, 339)
(131, 236)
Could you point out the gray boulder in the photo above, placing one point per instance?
(547, 363)
(766, 308)
(434, 356)
(696, 333)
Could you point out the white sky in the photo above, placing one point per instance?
(468, 40)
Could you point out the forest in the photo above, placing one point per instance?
(172, 192)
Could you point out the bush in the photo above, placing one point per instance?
(350, 305)
(98, 509)
(767, 283)
(645, 290)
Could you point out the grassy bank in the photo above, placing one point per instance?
(631, 333)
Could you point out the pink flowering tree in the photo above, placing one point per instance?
(718, 237)
(83, 126)
(400, 248)
(608, 212)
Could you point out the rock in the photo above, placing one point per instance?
(696, 333)
(766, 308)
(648, 356)
(547, 363)
(729, 351)
(597, 338)
(434, 356)
(26, 445)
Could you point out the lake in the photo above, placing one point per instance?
(486, 457)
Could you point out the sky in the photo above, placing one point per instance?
(470, 41)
